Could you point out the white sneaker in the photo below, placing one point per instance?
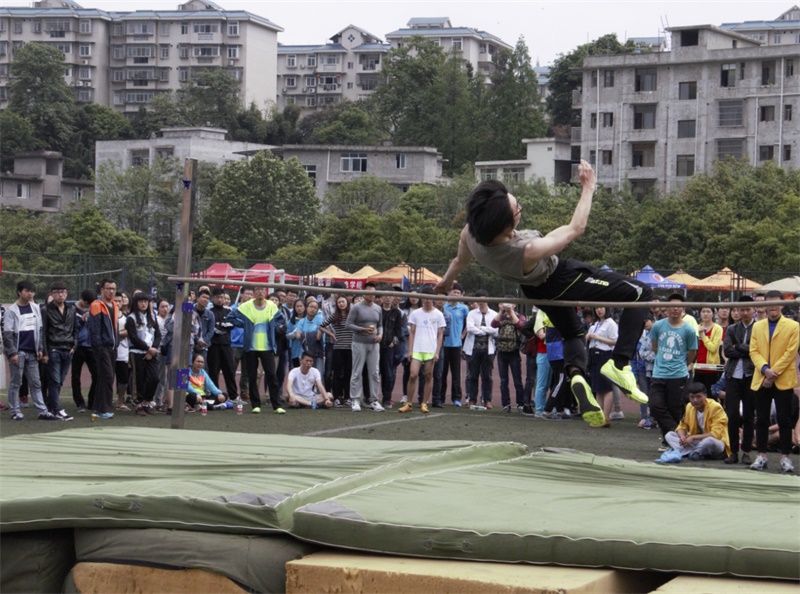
(404, 399)
(786, 466)
(63, 416)
(355, 406)
(616, 415)
(376, 406)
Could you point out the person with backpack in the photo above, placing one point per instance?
(509, 324)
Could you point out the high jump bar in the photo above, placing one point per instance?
(472, 299)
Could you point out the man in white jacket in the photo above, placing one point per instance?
(479, 346)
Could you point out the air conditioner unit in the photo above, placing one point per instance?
(302, 65)
(284, 89)
(231, 62)
(85, 62)
(87, 83)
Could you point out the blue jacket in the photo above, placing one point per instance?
(240, 319)
(83, 327)
(207, 323)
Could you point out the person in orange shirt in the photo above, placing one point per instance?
(773, 348)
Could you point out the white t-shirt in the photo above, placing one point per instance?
(124, 346)
(607, 329)
(303, 385)
(426, 329)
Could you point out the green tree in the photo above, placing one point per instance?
(566, 76)
(514, 107)
(39, 93)
(145, 200)
(219, 250)
(263, 204)
(16, 136)
(93, 122)
(346, 123)
(282, 126)
(377, 194)
(211, 99)
(161, 112)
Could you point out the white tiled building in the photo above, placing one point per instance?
(781, 31)
(657, 118)
(123, 59)
(545, 158)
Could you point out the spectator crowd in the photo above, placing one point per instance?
(724, 386)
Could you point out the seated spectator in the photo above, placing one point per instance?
(304, 386)
(201, 389)
(703, 430)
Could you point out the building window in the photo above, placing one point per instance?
(18, 26)
(730, 147)
(728, 76)
(592, 157)
(85, 26)
(206, 51)
(183, 75)
(458, 44)
(85, 73)
(163, 29)
(690, 37)
(643, 154)
(349, 85)
(645, 80)
(488, 173)
(311, 61)
(644, 117)
(776, 38)
(140, 158)
(23, 190)
(787, 152)
(3, 70)
(233, 28)
(593, 120)
(353, 162)
(119, 52)
(291, 61)
(3, 48)
(289, 100)
(140, 51)
(164, 52)
(767, 113)
(787, 112)
(184, 28)
(349, 65)
(165, 152)
(642, 187)
(513, 174)
(163, 75)
(311, 172)
(183, 51)
(141, 28)
(369, 84)
(766, 152)
(233, 53)
(686, 128)
(291, 81)
(311, 101)
(84, 95)
(731, 112)
(311, 81)
(685, 165)
(205, 28)
(788, 66)
(400, 161)
(482, 50)
(36, 27)
(593, 79)
(768, 72)
(606, 157)
(119, 99)
(608, 119)
(687, 90)
(608, 78)
(330, 60)
(85, 50)
(64, 47)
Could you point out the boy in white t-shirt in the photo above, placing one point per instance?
(304, 386)
(425, 330)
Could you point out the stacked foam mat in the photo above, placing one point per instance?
(200, 499)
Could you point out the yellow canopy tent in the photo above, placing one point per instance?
(332, 271)
(365, 272)
(681, 277)
(724, 280)
(395, 275)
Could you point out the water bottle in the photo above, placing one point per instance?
(239, 406)
(203, 408)
(313, 400)
(477, 407)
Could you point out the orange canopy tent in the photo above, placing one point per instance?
(395, 275)
(724, 280)
(681, 277)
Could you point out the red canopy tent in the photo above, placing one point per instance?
(267, 273)
(220, 271)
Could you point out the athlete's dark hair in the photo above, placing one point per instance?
(488, 211)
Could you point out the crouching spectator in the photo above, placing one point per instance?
(201, 389)
(304, 386)
(703, 430)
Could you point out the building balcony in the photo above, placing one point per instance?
(368, 68)
(329, 68)
(330, 88)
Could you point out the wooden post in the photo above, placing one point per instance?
(182, 317)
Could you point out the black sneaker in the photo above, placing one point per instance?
(47, 416)
(63, 416)
(528, 410)
(438, 405)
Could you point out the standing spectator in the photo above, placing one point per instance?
(480, 349)
(453, 344)
(23, 344)
(104, 338)
(709, 337)
(144, 338)
(646, 360)
(342, 340)
(408, 306)
(3, 382)
(220, 354)
(675, 346)
(122, 364)
(237, 346)
(365, 322)
(392, 324)
(258, 317)
(740, 399)
(761, 312)
(60, 332)
(509, 324)
(205, 321)
(307, 332)
(425, 334)
(295, 345)
(601, 338)
(83, 352)
(773, 348)
(166, 327)
(543, 369)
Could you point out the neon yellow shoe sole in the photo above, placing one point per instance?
(624, 380)
(590, 410)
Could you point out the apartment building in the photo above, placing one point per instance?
(783, 30)
(475, 46)
(657, 118)
(545, 158)
(318, 76)
(402, 166)
(37, 183)
(124, 59)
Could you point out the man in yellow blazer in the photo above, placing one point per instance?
(773, 348)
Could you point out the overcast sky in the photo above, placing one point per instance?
(550, 28)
